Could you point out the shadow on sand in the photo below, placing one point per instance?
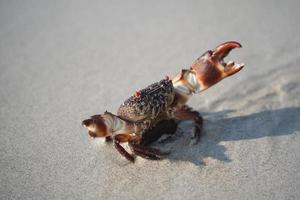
(219, 127)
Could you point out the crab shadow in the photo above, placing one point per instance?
(219, 128)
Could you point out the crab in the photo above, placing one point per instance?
(158, 108)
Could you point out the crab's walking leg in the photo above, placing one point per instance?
(186, 113)
(147, 152)
(143, 151)
(123, 152)
(117, 140)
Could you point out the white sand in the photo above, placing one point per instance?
(64, 61)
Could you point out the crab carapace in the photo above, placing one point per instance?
(156, 109)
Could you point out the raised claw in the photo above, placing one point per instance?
(224, 49)
(210, 68)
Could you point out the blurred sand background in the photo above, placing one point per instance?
(62, 61)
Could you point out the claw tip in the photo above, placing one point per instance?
(234, 43)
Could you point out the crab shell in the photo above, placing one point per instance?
(150, 104)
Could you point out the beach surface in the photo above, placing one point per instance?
(63, 61)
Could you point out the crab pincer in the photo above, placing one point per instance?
(211, 68)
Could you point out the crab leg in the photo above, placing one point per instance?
(206, 71)
(139, 150)
(186, 113)
(122, 151)
(146, 152)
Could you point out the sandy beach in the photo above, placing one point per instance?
(63, 61)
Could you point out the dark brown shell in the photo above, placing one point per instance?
(148, 103)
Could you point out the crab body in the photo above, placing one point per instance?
(156, 109)
(150, 104)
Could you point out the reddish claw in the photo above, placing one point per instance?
(210, 68)
(206, 71)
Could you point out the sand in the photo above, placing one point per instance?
(62, 61)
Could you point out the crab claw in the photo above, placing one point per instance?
(96, 126)
(224, 49)
(210, 68)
